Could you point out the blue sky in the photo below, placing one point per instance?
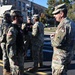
(40, 2)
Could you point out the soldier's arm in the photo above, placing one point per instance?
(59, 38)
(23, 26)
(11, 36)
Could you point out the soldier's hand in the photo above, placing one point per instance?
(23, 26)
(52, 35)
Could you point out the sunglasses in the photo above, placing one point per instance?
(56, 13)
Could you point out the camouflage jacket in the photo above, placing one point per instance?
(64, 37)
(37, 34)
(15, 39)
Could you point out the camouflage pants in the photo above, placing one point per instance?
(16, 59)
(17, 64)
(61, 62)
(28, 45)
(58, 71)
(37, 55)
(5, 57)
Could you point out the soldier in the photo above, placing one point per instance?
(5, 26)
(63, 41)
(37, 42)
(14, 44)
(27, 40)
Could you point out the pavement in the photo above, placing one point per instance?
(46, 68)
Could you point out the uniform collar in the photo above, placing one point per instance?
(62, 22)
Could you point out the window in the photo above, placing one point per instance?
(23, 6)
(13, 2)
(5, 2)
(19, 5)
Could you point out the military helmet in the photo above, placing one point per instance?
(6, 15)
(15, 13)
(35, 16)
(28, 18)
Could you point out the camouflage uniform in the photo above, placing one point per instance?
(5, 27)
(37, 43)
(27, 40)
(63, 42)
(14, 48)
(15, 51)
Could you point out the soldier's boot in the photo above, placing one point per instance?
(40, 64)
(5, 72)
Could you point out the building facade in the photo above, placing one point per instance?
(28, 8)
